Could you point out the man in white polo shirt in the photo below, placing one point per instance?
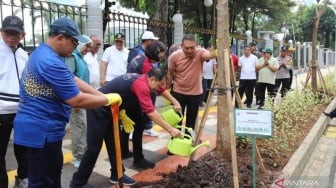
(248, 77)
(114, 60)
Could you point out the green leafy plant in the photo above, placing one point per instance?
(293, 118)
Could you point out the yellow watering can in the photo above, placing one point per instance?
(171, 116)
(183, 145)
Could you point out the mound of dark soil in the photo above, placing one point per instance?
(211, 171)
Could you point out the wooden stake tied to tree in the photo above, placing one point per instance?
(313, 67)
(225, 142)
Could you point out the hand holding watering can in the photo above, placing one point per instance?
(179, 145)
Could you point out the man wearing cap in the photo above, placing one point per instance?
(48, 91)
(114, 60)
(13, 61)
(266, 67)
(282, 77)
(146, 39)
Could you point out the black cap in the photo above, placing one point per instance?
(12, 23)
(284, 48)
(119, 36)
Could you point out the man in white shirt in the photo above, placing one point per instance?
(13, 60)
(248, 77)
(209, 69)
(114, 60)
(92, 61)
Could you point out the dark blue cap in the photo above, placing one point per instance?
(67, 27)
(12, 23)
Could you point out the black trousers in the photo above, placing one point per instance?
(46, 166)
(137, 115)
(190, 105)
(290, 77)
(246, 87)
(98, 130)
(206, 85)
(262, 90)
(20, 152)
(285, 85)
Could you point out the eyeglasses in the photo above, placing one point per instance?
(73, 40)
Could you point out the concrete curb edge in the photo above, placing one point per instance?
(297, 162)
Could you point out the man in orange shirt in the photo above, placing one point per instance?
(185, 69)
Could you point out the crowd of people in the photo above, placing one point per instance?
(62, 82)
(261, 71)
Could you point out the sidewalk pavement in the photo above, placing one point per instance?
(154, 151)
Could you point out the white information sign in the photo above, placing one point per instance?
(253, 122)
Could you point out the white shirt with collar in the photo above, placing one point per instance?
(93, 66)
(116, 62)
(248, 64)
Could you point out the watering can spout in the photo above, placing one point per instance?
(206, 144)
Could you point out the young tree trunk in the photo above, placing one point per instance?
(316, 23)
(225, 141)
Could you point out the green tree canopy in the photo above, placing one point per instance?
(304, 17)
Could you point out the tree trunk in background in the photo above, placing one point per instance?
(316, 22)
(161, 14)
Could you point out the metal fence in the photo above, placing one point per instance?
(37, 16)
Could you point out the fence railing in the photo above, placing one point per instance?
(37, 16)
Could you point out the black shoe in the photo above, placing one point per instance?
(143, 164)
(330, 115)
(248, 106)
(127, 155)
(261, 107)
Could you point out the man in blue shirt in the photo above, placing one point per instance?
(48, 90)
